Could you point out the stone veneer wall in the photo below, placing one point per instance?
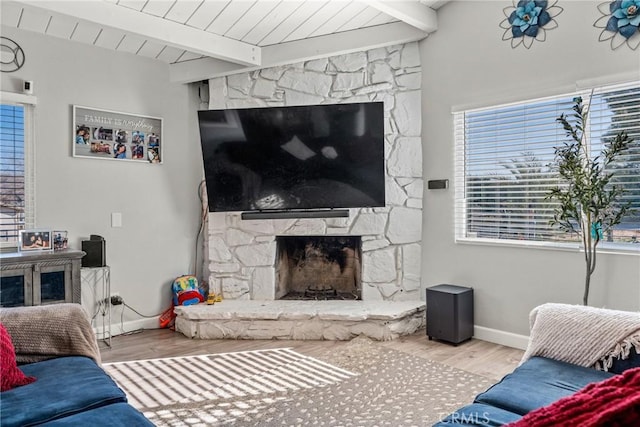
(240, 255)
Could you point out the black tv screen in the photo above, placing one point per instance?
(303, 157)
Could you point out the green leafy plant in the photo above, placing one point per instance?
(589, 204)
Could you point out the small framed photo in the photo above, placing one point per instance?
(60, 240)
(35, 240)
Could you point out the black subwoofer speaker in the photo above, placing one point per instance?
(96, 255)
(450, 313)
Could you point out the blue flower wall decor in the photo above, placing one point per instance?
(529, 20)
(620, 23)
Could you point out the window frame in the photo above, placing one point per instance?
(28, 102)
(460, 170)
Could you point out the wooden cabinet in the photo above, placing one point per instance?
(40, 278)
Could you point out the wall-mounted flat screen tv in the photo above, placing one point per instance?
(302, 157)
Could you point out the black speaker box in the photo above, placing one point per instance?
(96, 252)
(450, 313)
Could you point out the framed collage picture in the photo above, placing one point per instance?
(104, 134)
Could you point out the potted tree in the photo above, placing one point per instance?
(589, 203)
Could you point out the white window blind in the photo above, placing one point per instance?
(16, 172)
(503, 164)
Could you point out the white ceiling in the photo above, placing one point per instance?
(199, 39)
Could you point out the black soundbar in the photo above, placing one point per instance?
(309, 213)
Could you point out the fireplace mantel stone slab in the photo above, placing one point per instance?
(301, 320)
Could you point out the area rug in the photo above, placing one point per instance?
(362, 384)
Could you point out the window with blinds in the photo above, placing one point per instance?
(15, 206)
(504, 168)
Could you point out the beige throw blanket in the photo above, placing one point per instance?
(48, 331)
(581, 335)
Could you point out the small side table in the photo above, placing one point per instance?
(450, 313)
(100, 279)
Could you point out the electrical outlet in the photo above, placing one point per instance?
(114, 299)
(116, 219)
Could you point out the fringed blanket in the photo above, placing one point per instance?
(581, 335)
(612, 402)
(48, 331)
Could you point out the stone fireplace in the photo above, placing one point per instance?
(318, 267)
(241, 256)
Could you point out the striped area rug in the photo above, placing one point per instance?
(249, 375)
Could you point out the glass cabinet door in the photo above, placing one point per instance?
(16, 287)
(52, 284)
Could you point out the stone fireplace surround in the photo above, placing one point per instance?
(240, 254)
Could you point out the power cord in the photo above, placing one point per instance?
(100, 308)
(203, 217)
(116, 300)
(138, 313)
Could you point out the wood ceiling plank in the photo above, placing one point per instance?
(380, 19)
(345, 15)
(229, 16)
(109, 38)
(206, 13)
(131, 43)
(164, 31)
(273, 18)
(158, 7)
(85, 32)
(11, 13)
(328, 11)
(182, 10)
(293, 21)
(170, 54)
(360, 20)
(61, 26)
(34, 20)
(132, 4)
(250, 19)
(150, 49)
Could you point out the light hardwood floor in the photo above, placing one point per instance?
(489, 360)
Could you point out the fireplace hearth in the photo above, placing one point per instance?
(318, 267)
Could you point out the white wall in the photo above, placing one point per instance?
(466, 63)
(159, 203)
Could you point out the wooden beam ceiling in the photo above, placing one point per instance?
(155, 28)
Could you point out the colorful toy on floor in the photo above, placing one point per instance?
(167, 318)
(186, 291)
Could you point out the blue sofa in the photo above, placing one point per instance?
(540, 380)
(70, 390)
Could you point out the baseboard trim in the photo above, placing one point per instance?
(496, 336)
(125, 327)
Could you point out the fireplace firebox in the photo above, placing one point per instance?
(318, 267)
